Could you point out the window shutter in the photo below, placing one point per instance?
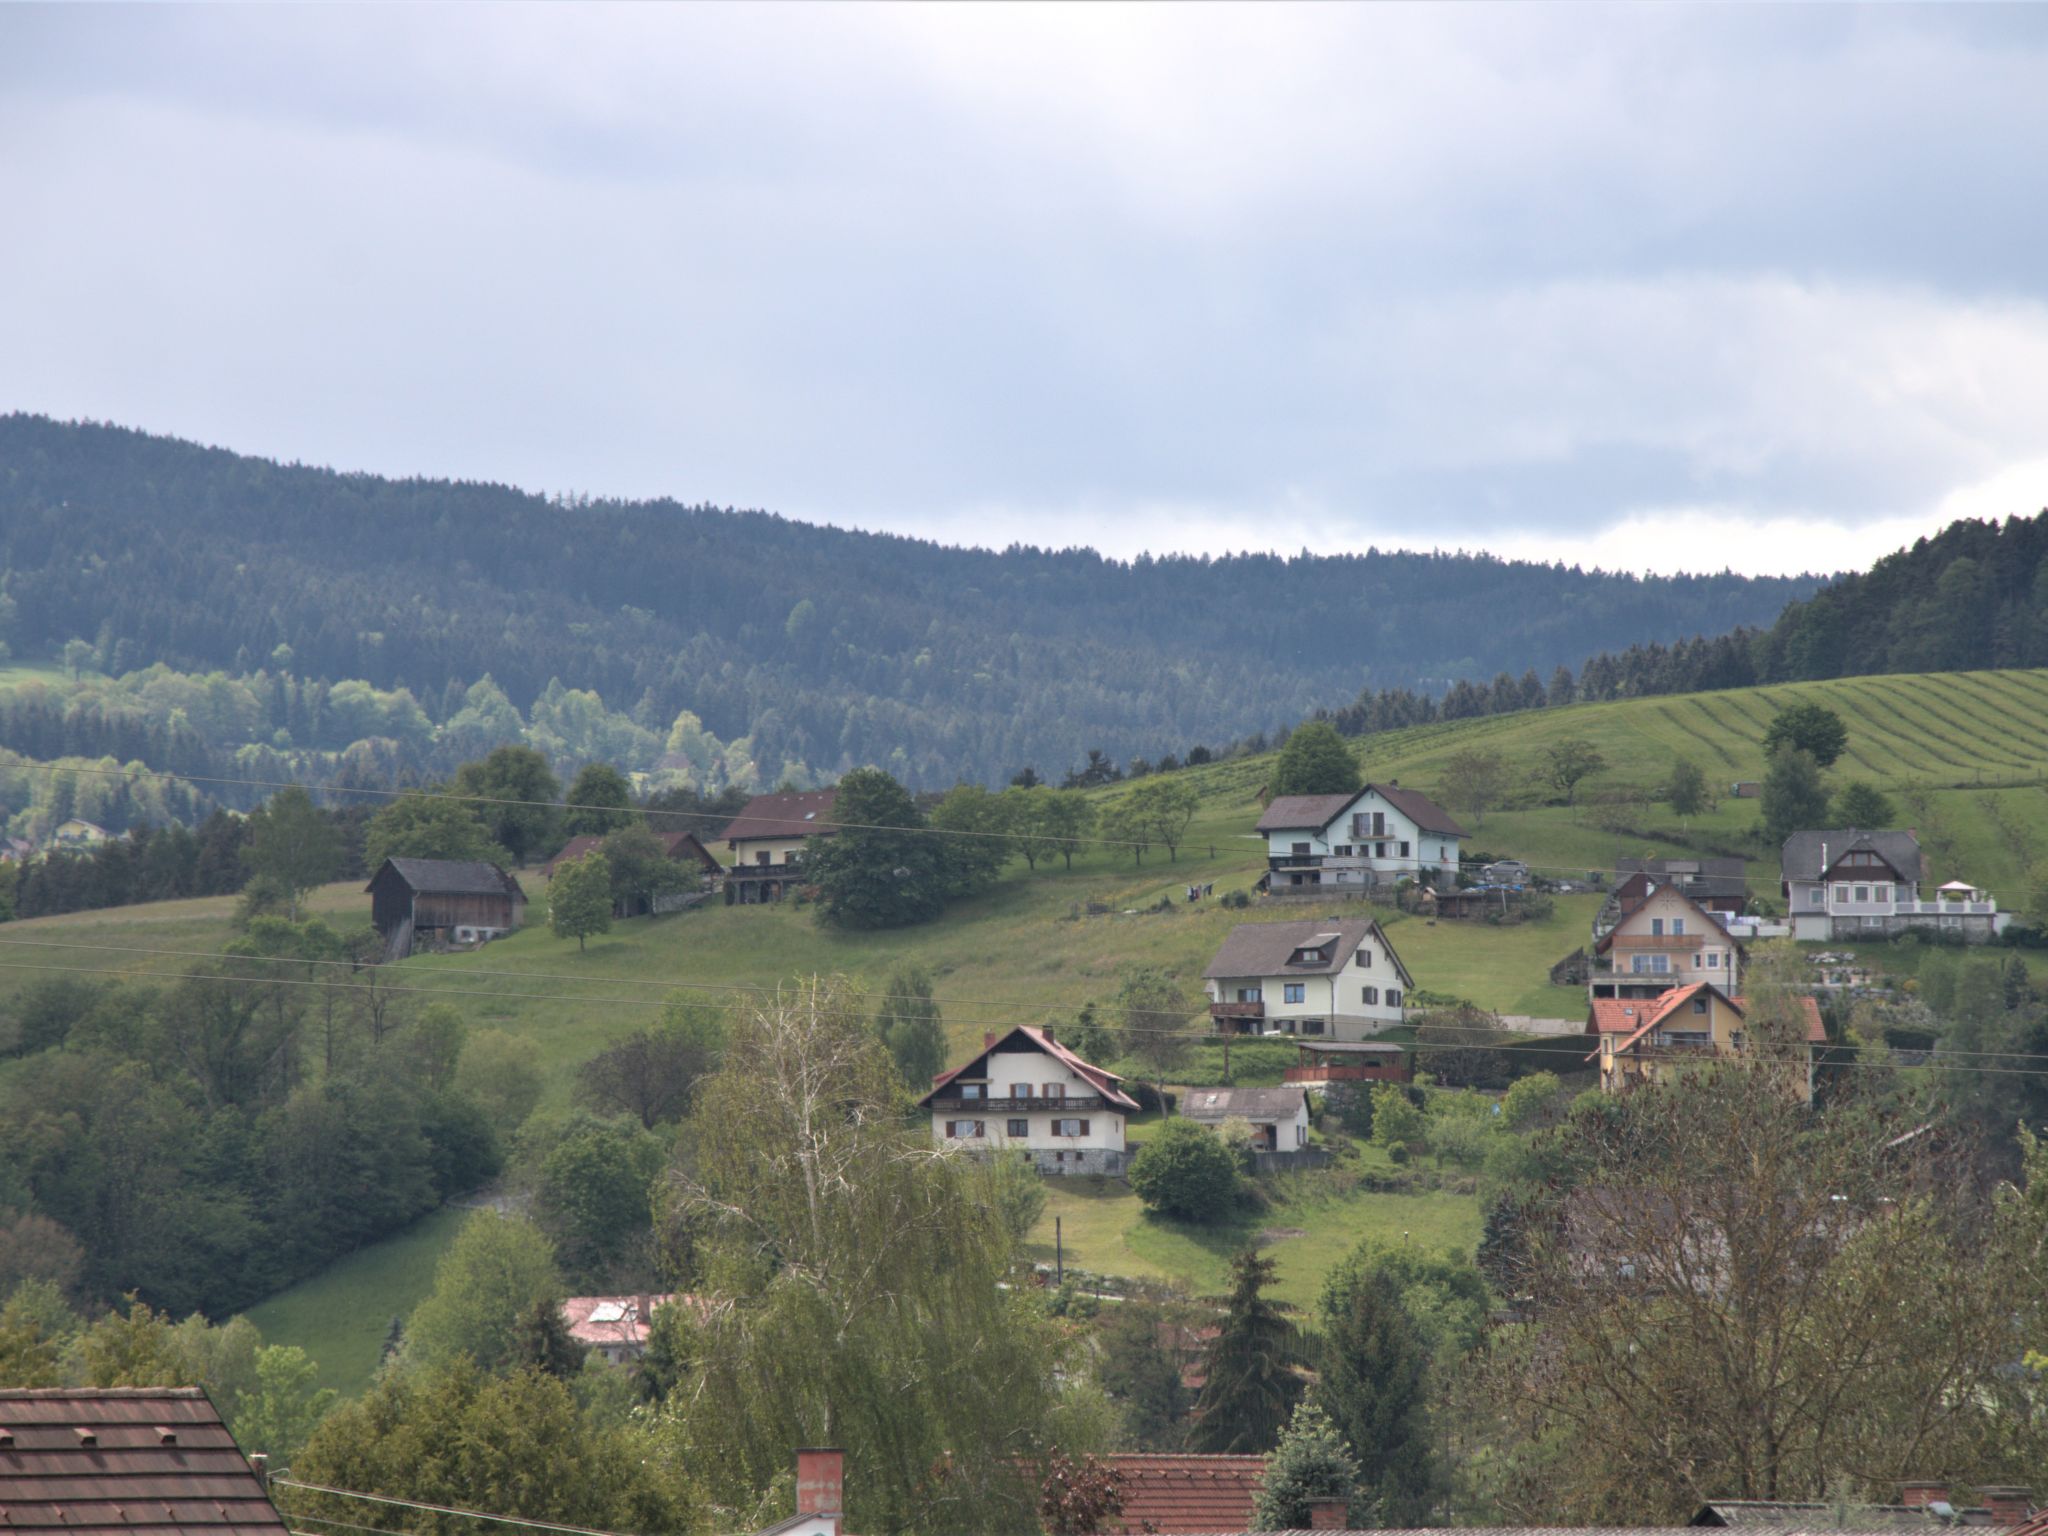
(1083, 1124)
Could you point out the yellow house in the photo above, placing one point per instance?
(1644, 1040)
(1667, 940)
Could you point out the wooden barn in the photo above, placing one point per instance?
(433, 903)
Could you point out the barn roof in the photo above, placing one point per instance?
(1243, 1103)
(132, 1460)
(452, 877)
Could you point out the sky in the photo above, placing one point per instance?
(1652, 287)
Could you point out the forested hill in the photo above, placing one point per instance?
(827, 647)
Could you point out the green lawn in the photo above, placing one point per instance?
(341, 1315)
(1307, 1230)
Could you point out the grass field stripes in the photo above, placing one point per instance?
(1939, 736)
(1689, 731)
(1718, 709)
(2020, 735)
(1963, 731)
(1874, 712)
(2027, 691)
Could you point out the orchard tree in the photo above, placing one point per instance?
(580, 898)
(1686, 788)
(292, 844)
(1474, 780)
(496, 1268)
(639, 869)
(1069, 818)
(1567, 763)
(651, 1073)
(599, 802)
(1862, 805)
(883, 869)
(515, 793)
(1154, 1011)
(1164, 806)
(1316, 761)
(1812, 728)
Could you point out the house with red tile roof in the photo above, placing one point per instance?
(1642, 1040)
(1380, 835)
(1026, 1095)
(125, 1461)
(1185, 1493)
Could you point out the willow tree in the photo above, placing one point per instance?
(851, 1280)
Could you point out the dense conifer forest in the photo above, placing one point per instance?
(822, 646)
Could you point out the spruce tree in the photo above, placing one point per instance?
(1252, 1386)
(1311, 1464)
(1374, 1386)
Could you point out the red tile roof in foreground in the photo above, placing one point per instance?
(125, 1459)
(1187, 1493)
(1630, 1015)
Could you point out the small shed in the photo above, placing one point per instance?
(434, 903)
(1278, 1116)
(1350, 1061)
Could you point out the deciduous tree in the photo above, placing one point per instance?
(292, 844)
(1794, 798)
(1316, 761)
(1812, 728)
(580, 898)
(598, 803)
(1184, 1170)
(516, 795)
(1568, 763)
(1474, 780)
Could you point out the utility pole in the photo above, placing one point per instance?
(1059, 1254)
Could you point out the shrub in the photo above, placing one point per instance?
(1185, 1171)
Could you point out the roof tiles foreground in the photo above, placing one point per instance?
(128, 1460)
(1187, 1493)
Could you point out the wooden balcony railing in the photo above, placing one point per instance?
(1038, 1103)
(1237, 1010)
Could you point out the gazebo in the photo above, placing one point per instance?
(1349, 1061)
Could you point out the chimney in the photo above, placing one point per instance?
(260, 1465)
(1046, 1030)
(2009, 1506)
(820, 1481)
(645, 1310)
(1328, 1514)
(1921, 1495)
(988, 1038)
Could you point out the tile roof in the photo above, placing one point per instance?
(132, 1460)
(1104, 1081)
(453, 877)
(1187, 1493)
(1707, 879)
(805, 814)
(1293, 813)
(1800, 859)
(1710, 927)
(1765, 1514)
(1636, 1017)
(676, 845)
(1420, 809)
(1247, 1103)
(1264, 949)
(618, 1320)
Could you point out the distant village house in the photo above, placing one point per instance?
(1644, 1041)
(1278, 1116)
(767, 842)
(1850, 884)
(1322, 978)
(1380, 835)
(1028, 1094)
(1665, 940)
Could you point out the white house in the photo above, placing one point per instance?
(1029, 1094)
(1381, 834)
(1847, 884)
(1322, 978)
(1278, 1116)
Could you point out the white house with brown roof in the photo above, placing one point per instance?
(1322, 978)
(1028, 1094)
(1849, 884)
(767, 840)
(1382, 834)
(1278, 1116)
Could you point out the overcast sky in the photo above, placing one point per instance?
(1654, 287)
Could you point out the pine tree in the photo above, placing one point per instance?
(1252, 1386)
(1374, 1386)
(1311, 1464)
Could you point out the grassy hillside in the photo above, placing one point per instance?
(1968, 749)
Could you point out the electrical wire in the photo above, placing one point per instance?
(435, 1509)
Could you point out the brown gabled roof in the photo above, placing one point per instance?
(138, 1461)
(1710, 926)
(1299, 813)
(1104, 1081)
(677, 845)
(1242, 1103)
(1420, 809)
(1633, 1018)
(451, 877)
(1264, 949)
(1187, 1493)
(806, 813)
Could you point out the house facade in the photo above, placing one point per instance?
(1027, 1094)
(435, 903)
(1318, 979)
(766, 841)
(1718, 884)
(1666, 940)
(1278, 1116)
(614, 1328)
(1850, 884)
(1380, 835)
(1647, 1040)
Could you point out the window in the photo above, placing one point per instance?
(1881, 892)
(1841, 893)
(1070, 1127)
(1301, 1135)
(1020, 1127)
(959, 1129)
(1404, 850)
(1301, 850)
(1364, 959)
(1678, 926)
(1295, 991)
(1379, 850)
(1250, 995)
(1343, 850)
(1649, 965)
(971, 1092)
(1369, 995)
(1656, 927)
(1393, 997)
(1713, 959)
(1699, 1005)
(1863, 893)
(1736, 1039)
(1379, 823)
(1055, 1091)
(761, 858)
(1020, 1090)
(1311, 1026)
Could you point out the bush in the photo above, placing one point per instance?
(1185, 1171)
(1397, 1153)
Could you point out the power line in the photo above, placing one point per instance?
(436, 1509)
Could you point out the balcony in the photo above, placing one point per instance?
(1039, 1104)
(1665, 941)
(782, 871)
(1255, 1010)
